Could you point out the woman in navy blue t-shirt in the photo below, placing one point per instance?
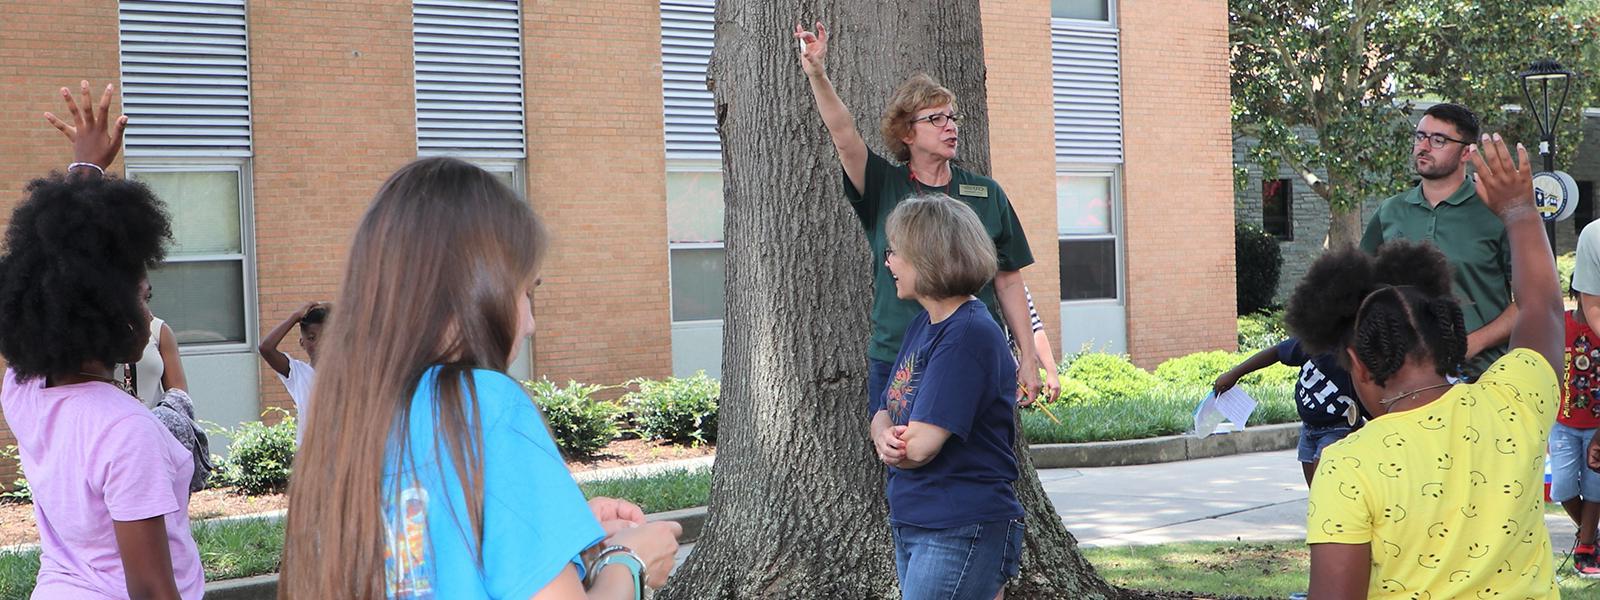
(945, 424)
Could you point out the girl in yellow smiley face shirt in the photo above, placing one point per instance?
(1439, 495)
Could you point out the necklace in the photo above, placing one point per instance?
(1413, 393)
(98, 376)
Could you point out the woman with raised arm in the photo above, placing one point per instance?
(920, 127)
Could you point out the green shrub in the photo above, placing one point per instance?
(1107, 377)
(581, 424)
(1564, 266)
(1162, 410)
(19, 487)
(1257, 261)
(1200, 370)
(260, 457)
(1259, 330)
(679, 410)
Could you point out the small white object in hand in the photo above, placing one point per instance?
(802, 46)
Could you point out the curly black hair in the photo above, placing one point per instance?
(1389, 308)
(75, 253)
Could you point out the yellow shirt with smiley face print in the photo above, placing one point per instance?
(1449, 495)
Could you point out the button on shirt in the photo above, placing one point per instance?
(1470, 236)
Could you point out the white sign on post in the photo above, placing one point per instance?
(1555, 194)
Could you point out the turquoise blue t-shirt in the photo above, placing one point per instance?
(535, 520)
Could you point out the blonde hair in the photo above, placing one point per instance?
(945, 242)
(918, 92)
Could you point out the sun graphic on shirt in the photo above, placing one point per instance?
(901, 388)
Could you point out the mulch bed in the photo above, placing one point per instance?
(17, 525)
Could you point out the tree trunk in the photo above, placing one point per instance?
(797, 507)
(1344, 226)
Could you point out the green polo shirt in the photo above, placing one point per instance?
(887, 184)
(1470, 236)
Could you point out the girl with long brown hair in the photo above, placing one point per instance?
(426, 471)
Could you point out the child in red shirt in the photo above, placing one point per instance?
(1571, 483)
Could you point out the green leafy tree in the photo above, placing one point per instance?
(1325, 86)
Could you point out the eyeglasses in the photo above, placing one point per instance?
(888, 252)
(1436, 140)
(939, 119)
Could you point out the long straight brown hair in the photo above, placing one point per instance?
(432, 279)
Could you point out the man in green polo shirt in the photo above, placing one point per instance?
(921, 129)
(1446, 210)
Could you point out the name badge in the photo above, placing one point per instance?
(976, 191)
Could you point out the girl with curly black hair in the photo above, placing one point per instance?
(110, 484)
(1439, 495)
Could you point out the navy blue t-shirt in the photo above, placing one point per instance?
(959, 375)
(1323, 392)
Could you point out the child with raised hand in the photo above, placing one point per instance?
(297, 376)
(110, 484)
(427, 472)
(946, 422)
(1438, 495)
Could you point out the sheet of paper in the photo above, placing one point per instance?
(1233, 405)
(1236, 405)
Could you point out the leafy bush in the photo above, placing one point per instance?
(1261, 329)
(19, 487)
(581, 424)
(1106, 377)
(1257, 261)
(260, 457)
(1564, 266)
(1200, 370)
(680, 410)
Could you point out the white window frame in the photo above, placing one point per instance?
(1117, 234)
(693, 166)
(509, 165)
(247, 242)
(1110, 22)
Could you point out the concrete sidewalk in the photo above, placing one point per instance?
(1251, 497)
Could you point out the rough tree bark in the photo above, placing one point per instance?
(797, 507)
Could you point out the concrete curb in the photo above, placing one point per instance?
(1164, 449)
(1045, 456)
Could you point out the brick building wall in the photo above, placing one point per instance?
(1178, 189)
(596, 174)
(79, 42)
(1016, 42)
(333, 114)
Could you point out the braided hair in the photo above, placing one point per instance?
(1391, 308)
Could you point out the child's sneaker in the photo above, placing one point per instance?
(1583, 561)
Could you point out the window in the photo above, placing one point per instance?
(694, 232)
(186, 92)
(202, 289)
(468, 67)
(1087, 230)
(1082, 10)
(1277, 208)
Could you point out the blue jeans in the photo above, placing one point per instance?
(878, 372)
(1314, 439)
(1570, 476)
(970, 562)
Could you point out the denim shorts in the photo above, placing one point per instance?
(1314, 439)
(1570, 476)
(969, 562)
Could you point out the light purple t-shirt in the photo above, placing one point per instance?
(92, 455)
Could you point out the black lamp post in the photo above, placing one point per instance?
(1543, 73)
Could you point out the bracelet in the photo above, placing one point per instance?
(85, 164)
(624, 556)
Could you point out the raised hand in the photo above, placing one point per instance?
(1505, 188)
(813, 49)
(95, 138)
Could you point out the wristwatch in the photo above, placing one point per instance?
(619, 555)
